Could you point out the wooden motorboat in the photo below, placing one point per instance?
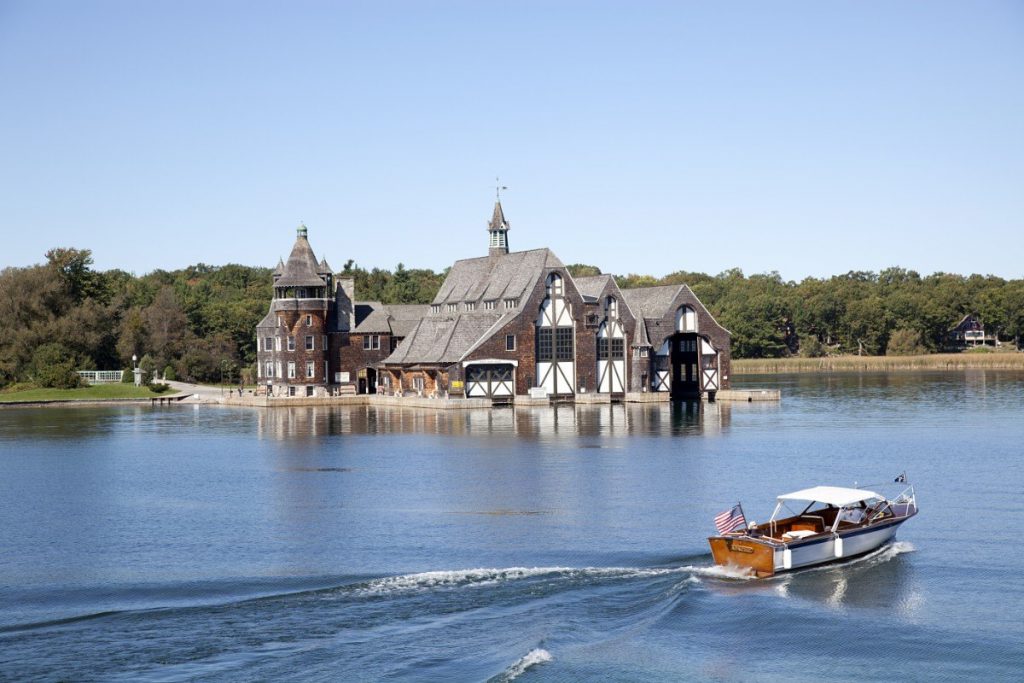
(834, 524)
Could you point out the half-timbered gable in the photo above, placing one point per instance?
(615, 326)
(689, 351)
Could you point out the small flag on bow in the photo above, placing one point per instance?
(902, 479)
(730, 520)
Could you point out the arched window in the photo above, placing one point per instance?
(686, 319)
(611, 307)
(554, 285)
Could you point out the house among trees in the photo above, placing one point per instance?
(970, 332)
(508, 324)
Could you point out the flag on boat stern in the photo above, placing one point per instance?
(901, 479)
(730, 520)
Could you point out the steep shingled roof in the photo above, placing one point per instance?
(445, 340)
(301, 269)
(495, 277)
(591, 286)
(651, 302)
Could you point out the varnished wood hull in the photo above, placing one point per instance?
(765, 557)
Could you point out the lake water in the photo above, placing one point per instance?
(211, 543)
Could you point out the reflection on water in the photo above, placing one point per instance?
(678, 418)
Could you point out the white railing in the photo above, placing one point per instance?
(101, 376)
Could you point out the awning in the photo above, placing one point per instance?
(832, 495)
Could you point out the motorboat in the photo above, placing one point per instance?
(833, 524)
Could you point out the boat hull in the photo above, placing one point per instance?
(766, 557)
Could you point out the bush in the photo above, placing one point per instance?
(904, 342)
(158, 387)
(980, 349)
(53, 365)
(811, 348)
(148, 367)
(169, 373)
(128, 376)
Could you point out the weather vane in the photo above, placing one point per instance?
(498, 188)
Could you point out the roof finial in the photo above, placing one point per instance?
(498, 188)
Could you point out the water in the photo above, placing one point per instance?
(364, 544)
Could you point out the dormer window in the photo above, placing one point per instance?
(470, 305)
(511, 303)
(435, 308)
(489, 305)
(452, 308)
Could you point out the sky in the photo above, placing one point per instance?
(807, 138)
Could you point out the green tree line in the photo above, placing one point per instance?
(198, 323)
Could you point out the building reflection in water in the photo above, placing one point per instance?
(678, 418)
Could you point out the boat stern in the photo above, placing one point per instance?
(745, 553)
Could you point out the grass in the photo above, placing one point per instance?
(934, 361)
(98, 392)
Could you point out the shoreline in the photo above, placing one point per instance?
(943, 362)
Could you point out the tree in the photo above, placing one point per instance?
(168, 326)
(904, 342)
(582, 270)
(54, 365)
(72, 268)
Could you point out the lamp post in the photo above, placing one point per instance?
(135, 370)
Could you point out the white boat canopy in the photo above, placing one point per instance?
(832, 495)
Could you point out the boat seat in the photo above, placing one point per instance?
(797, 533)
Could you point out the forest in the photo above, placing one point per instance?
(198, 323)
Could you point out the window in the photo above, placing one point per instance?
(470, 305)
(489, 305)
(511, 303)
(291, 369)
(268, 343)
(291, 343)
(417, 383)
(435, 308)
(301, 293)
(309, 391)
(309, 321)
(323, 341)
(309, 342)
(686, 319)
(268, 369)
(277, 343)
(611, 307)
(278, 370)
(544, 347)
(688, 345)
(643, 353)
(453, 308)
(602, 348)
(554, 285)
(371, 342)
(618, 348)
(310, 369)
(563, 343)
(510, 342)
(291, 391)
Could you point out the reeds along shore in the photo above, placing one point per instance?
(937, 361)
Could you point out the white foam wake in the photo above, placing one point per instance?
(475, 578)
(531, 658)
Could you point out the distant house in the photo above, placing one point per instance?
(970, 332)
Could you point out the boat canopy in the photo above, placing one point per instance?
(832, 495)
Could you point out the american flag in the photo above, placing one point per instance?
(730, 520)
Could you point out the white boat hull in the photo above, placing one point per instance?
(819, 551)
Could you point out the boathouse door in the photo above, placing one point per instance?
(489, 381)
(685, 369)
(709, 366)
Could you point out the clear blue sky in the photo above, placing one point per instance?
(808, 138)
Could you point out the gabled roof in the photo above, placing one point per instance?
(301, 269)
(591, 286)
(502, 276)
(651, 302)
(444, 340)
(396, 319)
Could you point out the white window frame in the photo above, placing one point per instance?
(511, 303)
(268, 369)
(277, 343)
(310, 369)
(453, 308)
(291, 342)
(489, 305)
(268, 343)
(435, 308)
(310, 342)
(470, 305)
(291, 369)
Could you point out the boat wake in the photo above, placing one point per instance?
(530, 659)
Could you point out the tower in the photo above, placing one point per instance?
(498, 230)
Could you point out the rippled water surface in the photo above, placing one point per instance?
(209, 543)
